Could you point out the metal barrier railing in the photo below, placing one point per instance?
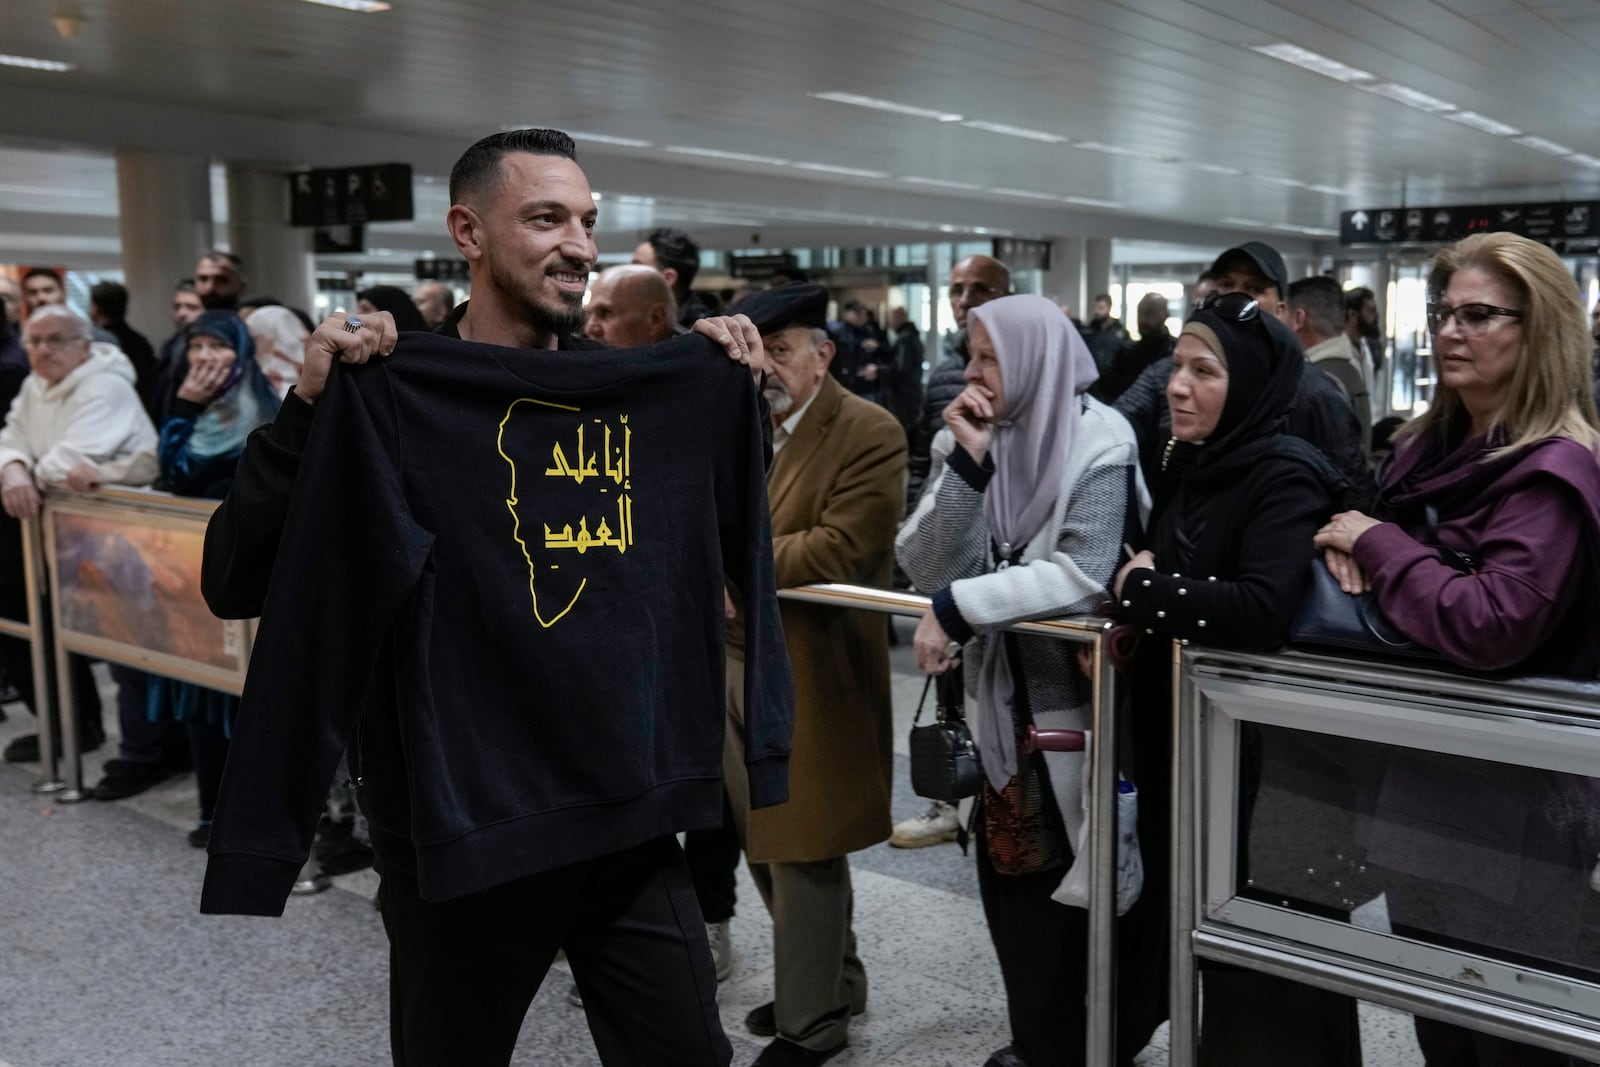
(1100, 1038)
(1465, 966)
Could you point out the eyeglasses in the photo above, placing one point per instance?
(55, 340)
(1471, 319)
(1240, 307)
(977, 290)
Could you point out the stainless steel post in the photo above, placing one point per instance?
(1184, 1028)
(1102, 1006)
(44, 709)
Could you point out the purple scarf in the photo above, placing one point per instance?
(1044, 368)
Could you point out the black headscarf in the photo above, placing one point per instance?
(397, 302)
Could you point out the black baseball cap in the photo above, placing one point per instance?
(1263, 257)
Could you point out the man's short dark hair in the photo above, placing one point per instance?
(1102, 297)
(675, 249)
(478, 169)
(1354, 298)
(185, 285)
(1323, 302)
(852, 305)
(111, 298)
(217, 255)
(44, 272)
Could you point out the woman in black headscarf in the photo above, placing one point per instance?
(395, 301)
(1227, 566)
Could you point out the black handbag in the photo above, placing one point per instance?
(944, 756)
(1331, 617)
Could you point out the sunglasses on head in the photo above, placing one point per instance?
(1238, 307)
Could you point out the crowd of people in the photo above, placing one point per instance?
(1041, 467)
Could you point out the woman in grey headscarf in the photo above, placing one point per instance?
(1024, 518)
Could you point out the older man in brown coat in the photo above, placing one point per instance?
(836, 489)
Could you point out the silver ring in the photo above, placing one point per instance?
(352, 325)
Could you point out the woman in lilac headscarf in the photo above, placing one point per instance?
(1024, 516)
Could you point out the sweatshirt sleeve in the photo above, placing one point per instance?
(1502, 613)
(1253, 609)
(243, 534)
(745, 528)
(351, 554)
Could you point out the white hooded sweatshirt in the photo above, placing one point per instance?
(91, 416)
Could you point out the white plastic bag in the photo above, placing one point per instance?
(1074, 888)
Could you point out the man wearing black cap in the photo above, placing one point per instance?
(836, 489)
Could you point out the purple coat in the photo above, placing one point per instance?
(1532, 519)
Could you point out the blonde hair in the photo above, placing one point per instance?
(1551, 393)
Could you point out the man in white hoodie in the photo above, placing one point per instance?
(76, 422)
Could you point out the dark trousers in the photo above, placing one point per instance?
(17, 662)
(208, 745)
(142, 741)
(1044, 956)
(463, 972)
(1445, 1045)
(1248, 1019)
(713, 859)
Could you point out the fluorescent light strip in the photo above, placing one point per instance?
(732, 157)
(1291, 183)
(1097, 146)
(940, 183)
(875, 104)
(1315, 62)
(1085, 201)
(49, 190)
(365, 7)
(1539, 144)
(1584, 161)
(1015, 131)
(31, 63)
(1484, 123)
(848, 172)
(1412, 98)
(1026, 194)
(605, 138)
(1217, 168)
(1330, 190)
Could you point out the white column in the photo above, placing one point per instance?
(1064, 281)
(1096, 270)
(277, 256)
(164, 205)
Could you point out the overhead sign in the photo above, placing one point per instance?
(762, 266)
(1021, 254)
(442, 270)
(1550, 221)
(351, 196)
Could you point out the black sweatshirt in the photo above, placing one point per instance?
(531, 618)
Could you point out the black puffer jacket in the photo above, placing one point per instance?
(944, 385)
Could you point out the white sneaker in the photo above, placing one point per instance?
(941, 823)
(721, 948)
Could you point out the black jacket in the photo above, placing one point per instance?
(945, 383)
(1128, 364)
(503, 734)
(901, 378)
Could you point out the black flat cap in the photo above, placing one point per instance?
(1266, 260)
(782, 306)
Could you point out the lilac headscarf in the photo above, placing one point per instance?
(1044, 368)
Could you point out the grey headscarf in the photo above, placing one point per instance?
(1044, 368)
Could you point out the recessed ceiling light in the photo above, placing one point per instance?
(1330, 190)
(1217, 168)
(1291, 183)
(365, 7)
(1025, 193)
(1253, 223)
(1539, 144)
(1015, 131)
(31, 63)
(1316, 231)
(849, 172)
(939, 183)
(981, 231)
(597, 196)
(945, 227)
(1312, 61)
(1483, 122)
(875, 104)
(732, 157)
(603, 138)
(1584, 161)
(1412, 98)
(1086, 201)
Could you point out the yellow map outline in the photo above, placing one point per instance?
(516, 523)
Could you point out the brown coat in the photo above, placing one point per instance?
(837, 492)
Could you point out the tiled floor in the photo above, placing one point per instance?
(105, 961)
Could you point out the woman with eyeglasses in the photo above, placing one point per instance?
(1485, 547)
(1227, 564)
(1023, 518)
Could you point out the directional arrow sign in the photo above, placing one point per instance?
(1359, 220)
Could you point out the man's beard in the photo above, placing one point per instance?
(220, 301)
(779, 402)
(555, 321)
